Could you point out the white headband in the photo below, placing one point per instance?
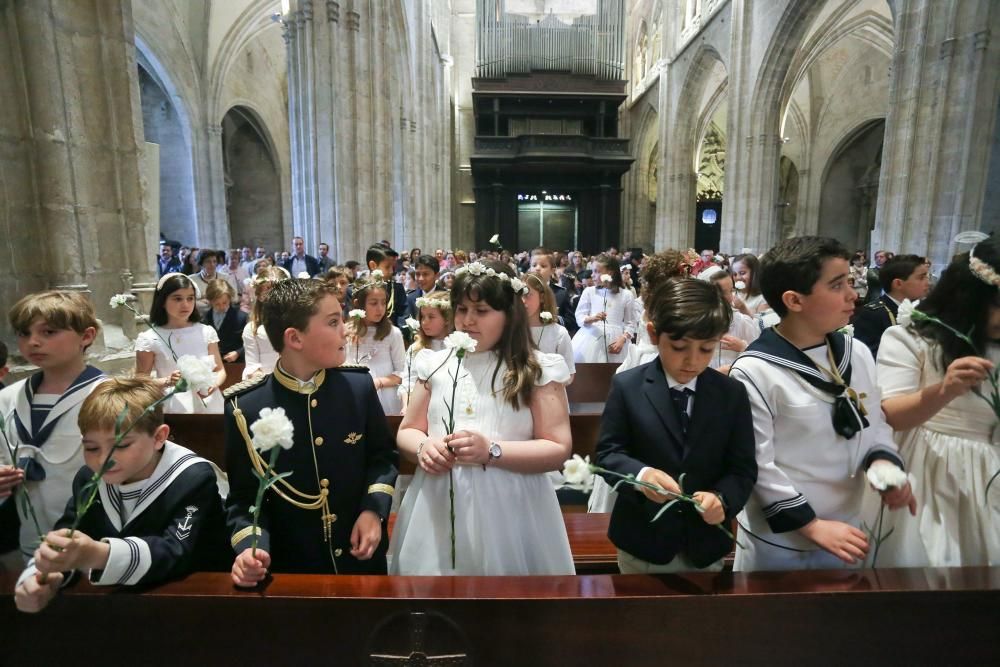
(163, 280)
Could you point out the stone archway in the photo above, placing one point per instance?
(850, 186)
(166, 125)
(253, 182)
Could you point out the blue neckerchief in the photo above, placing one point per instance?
(38, 435)
(848, 416)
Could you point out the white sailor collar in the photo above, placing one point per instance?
(173, 462)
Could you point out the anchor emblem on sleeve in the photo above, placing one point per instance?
(184, 529)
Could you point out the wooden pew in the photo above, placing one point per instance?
(205, 434)
(894, 617)
(592, 383)
(234, 373)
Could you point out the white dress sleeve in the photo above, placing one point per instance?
(397, 352)
(564, 347)
(251, 352)
(146, 342)
(901, 358)
(554, 369)
(425, 365)
(583, 308)
(631, 323)
(211, 335)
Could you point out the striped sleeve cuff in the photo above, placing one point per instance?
(882, 455)
(789, 514)
(129, 560)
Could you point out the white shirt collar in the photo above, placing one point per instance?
(674, 384)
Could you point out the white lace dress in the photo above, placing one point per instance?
(193, 340)
(506, 523)
(410, 365)
(591, 340)
(950, 458)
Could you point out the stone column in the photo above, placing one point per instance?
(70, 150)
(946, 79)
(213, 227)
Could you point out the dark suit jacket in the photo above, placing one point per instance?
(411, 302)
(230, 331)
(567, 315)
(640, 427)
(312, 265)
(871, 321)
(400, 305)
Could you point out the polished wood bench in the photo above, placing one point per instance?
(859, 617)
(592, 383)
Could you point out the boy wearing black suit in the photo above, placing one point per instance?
(671, 417)
(227, 319)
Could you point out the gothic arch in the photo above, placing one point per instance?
(850, 180)
(252, 173)
(178, 208)
(691, 118)
(255, 19)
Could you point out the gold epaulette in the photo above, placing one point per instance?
(351, 368)
(240, 387)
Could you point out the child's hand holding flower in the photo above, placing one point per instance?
(893, 484)
(712, 511)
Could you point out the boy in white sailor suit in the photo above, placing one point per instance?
(329, 515)
(818, 422)
(54, 330)
(158, 513)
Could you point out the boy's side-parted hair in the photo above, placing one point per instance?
(544, 252)
(217, 287)
(901, 267)
(376, 253)
(689, 308)
(548, 298)
(290, 304)
(158, 311)
(59, 309)
(795, 265)
(430, 261)
(106, 402)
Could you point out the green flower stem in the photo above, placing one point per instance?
(459, 354)
(273, 461)
(21, 493)
(631, 480)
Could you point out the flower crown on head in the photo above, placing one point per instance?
(374, 279)
(982, 270)
(478, 269)
(440, 304)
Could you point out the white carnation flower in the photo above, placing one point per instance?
(740, 285)
(119, 300)
(356, 314)
(272, 429)
(545, 316)
(518, 285)
(495, 239)
(197, 373)
(577, 473)
(606, 278)
(476, 269)
(377, 274)
(884, 475)
(412, 323)
(904, 315)
(303, 275)
(461, 342)
(719, 258)
(847, 329)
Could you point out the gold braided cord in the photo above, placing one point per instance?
(260, 465)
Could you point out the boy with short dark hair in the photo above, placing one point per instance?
(329, 515)
(544, 264)
(54, 330)
(903, 277)
(158, 514)
(383, 258)
(817, 416)
(676, 423)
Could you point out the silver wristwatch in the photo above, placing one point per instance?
(495, 451)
